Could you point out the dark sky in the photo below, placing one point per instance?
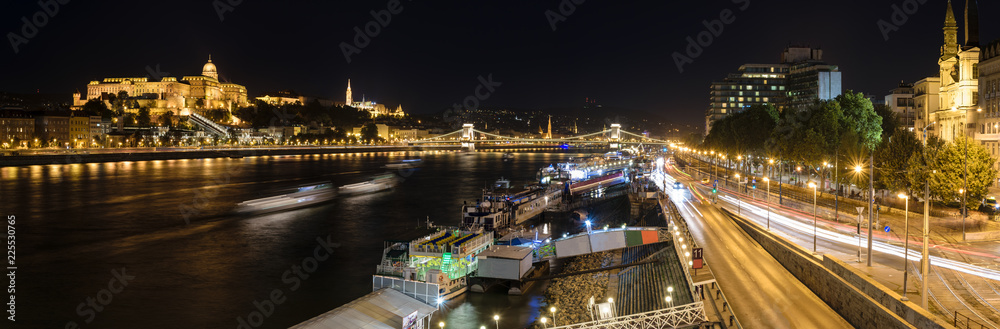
(430, 54)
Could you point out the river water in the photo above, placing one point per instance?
(167, 230)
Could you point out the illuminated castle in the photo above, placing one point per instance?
(170, 94)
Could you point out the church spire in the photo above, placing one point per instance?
(349, 100)
(950, 47)
(971, 24)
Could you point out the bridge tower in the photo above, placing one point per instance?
(615, 135)
(468, 137)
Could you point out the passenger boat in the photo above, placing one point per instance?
(375, 184)
(508, 156)
(403, 164)
(500, 208)
(300, 197)
(582, 169)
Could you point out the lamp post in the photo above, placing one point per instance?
(612, 301)
(441, 324)
(553, 311)
(965, 189)
(767, 202)
(670, 296)
(815, 221)
(543, 322)
(496, 319)
(739, 202)
(590, 307)
(925, 262)
(906, 245)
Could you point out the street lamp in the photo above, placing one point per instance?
(965, 180)
(553, 311)
(815, 221)
(670, 296)
(906, 236)
(767, 202)
(739, 202)
(612, 301)
(496, 319)
(925, 262)
(543, 322)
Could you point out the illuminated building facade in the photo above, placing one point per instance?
(989, 100)
(16, 126)
(754, 84)
(799, 80)
(170, 94)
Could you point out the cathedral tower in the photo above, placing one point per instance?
(349, 100)
(950, 48)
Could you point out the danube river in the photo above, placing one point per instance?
(155, 244)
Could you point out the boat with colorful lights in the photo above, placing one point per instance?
(434, 267)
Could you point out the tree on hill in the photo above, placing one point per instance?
(369, 132)
(143, 119)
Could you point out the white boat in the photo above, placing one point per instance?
(508, 156)
(404, 164)
(376, 184)
(500, 208)
(302, 196)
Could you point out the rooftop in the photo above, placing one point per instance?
(382, 309)
(508, 252)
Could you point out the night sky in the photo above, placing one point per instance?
(431, 53)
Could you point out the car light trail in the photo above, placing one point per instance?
(882, 247)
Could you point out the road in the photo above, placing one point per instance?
(958, 281)
(762, 292)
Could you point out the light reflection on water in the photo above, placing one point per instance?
(78, 222)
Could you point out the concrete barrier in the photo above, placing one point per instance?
(911, 312)
(855, 305)
(982, 236)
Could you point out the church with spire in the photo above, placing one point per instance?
(375, 109)
(957, 113)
